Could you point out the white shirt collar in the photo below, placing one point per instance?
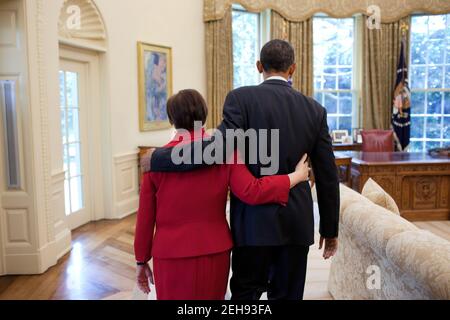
(276, 78)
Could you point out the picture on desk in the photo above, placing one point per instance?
(357, 136)
(340, 136)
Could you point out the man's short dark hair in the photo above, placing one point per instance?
(277, 55)
(185, 107)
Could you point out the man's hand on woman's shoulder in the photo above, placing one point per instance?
(146, 160)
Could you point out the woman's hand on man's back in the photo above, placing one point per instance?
(301, 172)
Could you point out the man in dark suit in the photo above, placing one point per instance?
(271, 241)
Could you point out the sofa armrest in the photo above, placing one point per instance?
(425, 257)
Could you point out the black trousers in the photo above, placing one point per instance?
(279, 270)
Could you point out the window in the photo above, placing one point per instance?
(430, 82)
(70, 127)
(247, 33)
(334, 70)
(8, 111)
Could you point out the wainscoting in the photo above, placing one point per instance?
(62, 233)
(125, 185)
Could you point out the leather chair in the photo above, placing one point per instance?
(377, 140)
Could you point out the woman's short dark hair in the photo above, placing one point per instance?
(277, 55)
(185, 107)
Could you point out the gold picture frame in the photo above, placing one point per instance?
(155, 85)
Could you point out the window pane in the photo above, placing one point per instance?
(332, 123)
(447, 103)
(62, 90)
(345, 78)
(345, 123)
(432, 144)
(434, 102)
(63, 125)
(330, 78)
(416, 146)
(435, 77)
(345, 103)
(433, 128)
(67, 197)
(418, 102)
(66, 160)
(9, 116)
(437, 26)
(446, 129)
(430, 80)
(418, 52)
(330, 57)
(76, 198)
(417, 125)
(448, 49)
(436, 50)
(74, 159)
(246, 45)
(318, 97)
(346, 56)
(447, 73)
(333, 69)
(318, 78)
(73, 130)
(71, 141)
(418, 77)
(331, 102)
(72, 89)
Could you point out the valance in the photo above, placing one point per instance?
(300, 10)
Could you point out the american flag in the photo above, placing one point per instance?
(401, 115)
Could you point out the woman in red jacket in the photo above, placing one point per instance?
(191, 243)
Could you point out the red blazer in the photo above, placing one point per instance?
(188, 209)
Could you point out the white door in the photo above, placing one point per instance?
(74, 111)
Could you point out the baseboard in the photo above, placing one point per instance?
(31, 263)
(40, 261)
(63, 243)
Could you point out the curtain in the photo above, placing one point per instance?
(295, 10)
(219, 66)
(299, 34)
(381, 50)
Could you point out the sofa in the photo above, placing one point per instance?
(383, 256)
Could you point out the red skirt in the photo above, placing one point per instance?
(194, 278)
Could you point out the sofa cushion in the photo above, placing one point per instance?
(374, 224)
(349, 196)
(424, 256)
(375, 193)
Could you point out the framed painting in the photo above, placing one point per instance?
(155, 85)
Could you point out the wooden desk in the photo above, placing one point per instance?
(344, 161)
(419, 183)
(347, 146)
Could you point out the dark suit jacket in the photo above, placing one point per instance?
(302, 124)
